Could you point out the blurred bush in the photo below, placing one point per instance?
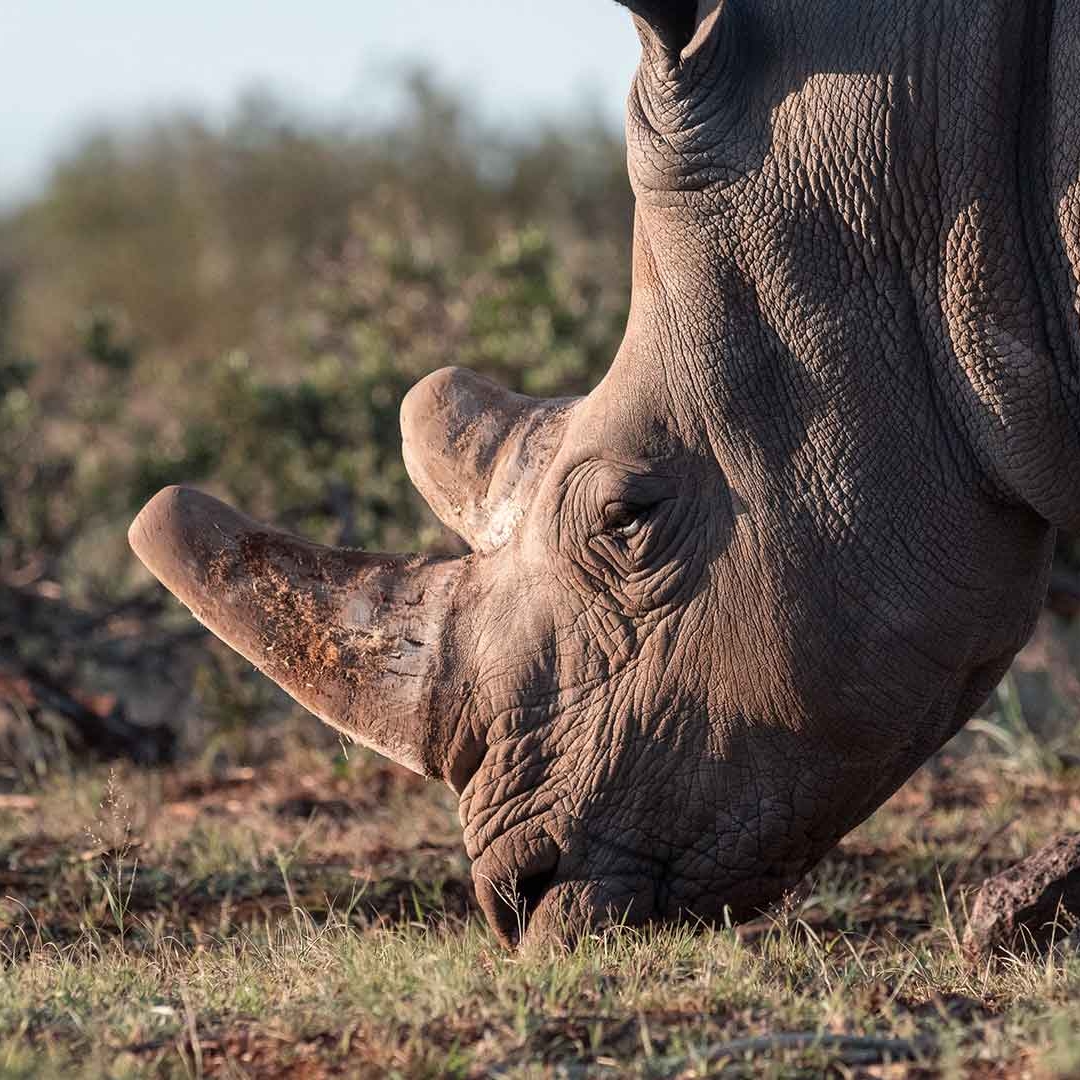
(243, 308)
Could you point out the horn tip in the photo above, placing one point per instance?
(150, 521)
(161, 534)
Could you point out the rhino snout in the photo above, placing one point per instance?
(541, 895)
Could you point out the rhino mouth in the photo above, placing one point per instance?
(512, 907)
(543, 909)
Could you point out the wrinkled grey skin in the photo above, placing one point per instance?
(721, 608)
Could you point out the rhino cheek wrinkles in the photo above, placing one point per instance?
(716, 611)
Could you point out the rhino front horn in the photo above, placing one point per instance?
(355, 638)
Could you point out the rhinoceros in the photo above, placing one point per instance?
(716, 611)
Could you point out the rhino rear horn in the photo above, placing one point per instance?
(355, 638)
(476, 452)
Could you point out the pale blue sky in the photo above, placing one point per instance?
(65, 64)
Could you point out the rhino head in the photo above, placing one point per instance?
(719, 609)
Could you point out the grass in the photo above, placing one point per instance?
(313, 918)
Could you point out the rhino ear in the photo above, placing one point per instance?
(677, 27)
(672, 21)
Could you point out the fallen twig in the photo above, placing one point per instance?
(846, 1049)
(842, 1049)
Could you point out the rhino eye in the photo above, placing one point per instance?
(624, 520)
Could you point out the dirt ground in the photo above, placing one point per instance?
(314, 917)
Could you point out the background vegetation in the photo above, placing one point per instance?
(243, 308)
